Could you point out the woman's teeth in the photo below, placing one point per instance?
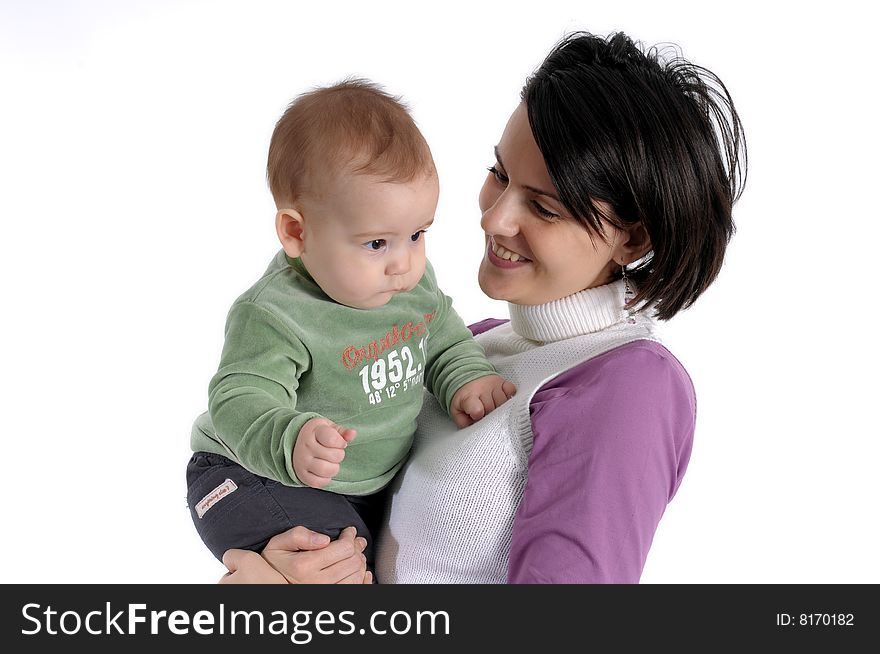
(502, 253)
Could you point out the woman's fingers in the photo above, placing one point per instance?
(298, 538)
(246, 567)
(345, 561)
(300, 555)
(355, 577)
(350, 567)
(322, 564)
(340, 549)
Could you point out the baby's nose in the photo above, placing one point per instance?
(399, 264)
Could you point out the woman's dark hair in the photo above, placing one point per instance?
(658, 140)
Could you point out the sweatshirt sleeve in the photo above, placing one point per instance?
(454, 357)
(612, 440)
(252, 398)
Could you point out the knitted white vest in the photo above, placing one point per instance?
(452, 507)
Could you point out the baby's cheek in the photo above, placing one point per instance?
(419, 267)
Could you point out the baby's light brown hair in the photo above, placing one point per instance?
(352, 127)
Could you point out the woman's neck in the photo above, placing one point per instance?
(584, 312)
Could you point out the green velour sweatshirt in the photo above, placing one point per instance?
(292, 354)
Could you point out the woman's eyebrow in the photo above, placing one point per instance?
(534, 190)
(498, 157)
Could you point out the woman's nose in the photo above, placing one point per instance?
(500, 217)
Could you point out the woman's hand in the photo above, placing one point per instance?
(301, 556)
(246, 567)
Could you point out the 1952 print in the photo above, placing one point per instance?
(395, 372)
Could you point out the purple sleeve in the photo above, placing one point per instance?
(485, 325)
(612, 440)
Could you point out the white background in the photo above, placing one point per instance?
(134, 209)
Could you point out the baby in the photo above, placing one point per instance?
(314, 406)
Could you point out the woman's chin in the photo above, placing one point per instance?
(491, 286)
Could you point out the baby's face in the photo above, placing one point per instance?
(364, 238)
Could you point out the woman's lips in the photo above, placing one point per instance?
(503, 263)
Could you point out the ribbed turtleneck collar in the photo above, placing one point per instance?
(583, 312)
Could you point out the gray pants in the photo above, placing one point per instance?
(232, 507)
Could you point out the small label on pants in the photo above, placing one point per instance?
(215, 496)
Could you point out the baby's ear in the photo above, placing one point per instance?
(289, 225)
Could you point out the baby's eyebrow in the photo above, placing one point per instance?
(380, 234)
(534, 190)
(369, 234)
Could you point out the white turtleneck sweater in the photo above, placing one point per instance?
(565, 482)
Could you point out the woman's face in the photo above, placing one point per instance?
(535, 251)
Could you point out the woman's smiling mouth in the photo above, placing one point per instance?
(504, 258)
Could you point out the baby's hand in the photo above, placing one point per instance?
(318, 451)
(479, 397)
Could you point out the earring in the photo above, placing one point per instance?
(628, 296)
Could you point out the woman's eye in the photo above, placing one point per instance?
(415, 237)
(375, 245)
(500, 177)
(544, 213)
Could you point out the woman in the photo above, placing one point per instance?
(608, 207)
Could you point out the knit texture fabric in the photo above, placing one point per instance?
(451, 509)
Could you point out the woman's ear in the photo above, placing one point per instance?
(635, 242)
(290, 225)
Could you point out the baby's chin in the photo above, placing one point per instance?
(375, 302)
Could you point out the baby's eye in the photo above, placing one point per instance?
(375, 245)
(500, 177)
(415, 237)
